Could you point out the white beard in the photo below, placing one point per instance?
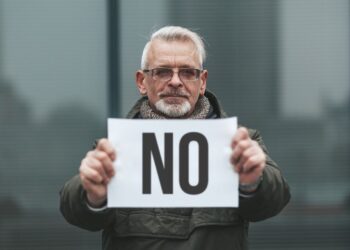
(173, 110)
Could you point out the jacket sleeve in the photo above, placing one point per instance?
(74, 208)
(273, 192)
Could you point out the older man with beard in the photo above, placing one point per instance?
(173, 82)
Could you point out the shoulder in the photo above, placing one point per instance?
(254, 134)
(134, 113)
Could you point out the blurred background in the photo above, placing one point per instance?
(280, 66)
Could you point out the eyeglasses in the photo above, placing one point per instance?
(166, 74)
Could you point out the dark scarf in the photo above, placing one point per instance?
(201, 110)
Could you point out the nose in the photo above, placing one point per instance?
(175, 80)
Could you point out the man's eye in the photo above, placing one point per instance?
(162, 72)
(188, 72)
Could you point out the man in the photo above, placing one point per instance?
(172, 82)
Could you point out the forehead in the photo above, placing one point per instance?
(173, 54)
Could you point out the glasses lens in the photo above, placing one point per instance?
(189, 74)
(162, 74)
(185, 74)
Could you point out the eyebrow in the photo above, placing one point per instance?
(181, 66)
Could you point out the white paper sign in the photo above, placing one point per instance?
(173, 163)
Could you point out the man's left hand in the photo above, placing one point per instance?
(248, 158)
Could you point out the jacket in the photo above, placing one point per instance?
(179, 228)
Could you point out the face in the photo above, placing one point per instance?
(174, 97)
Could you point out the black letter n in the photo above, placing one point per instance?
(165, 171)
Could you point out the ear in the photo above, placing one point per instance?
(203, 82)
(140, 82)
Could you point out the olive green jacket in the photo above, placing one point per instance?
(179, 228)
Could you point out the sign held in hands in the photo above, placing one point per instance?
(173, 163)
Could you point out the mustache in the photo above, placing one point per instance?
(174, 92)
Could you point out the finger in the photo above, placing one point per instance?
(241, 134)
(107, 147)
(254, 163)
(246, 154)
(95, 189)
(97, 165)
(239, 149)
(95, 192)
(90, 174)
(106, 161)
(244, 150)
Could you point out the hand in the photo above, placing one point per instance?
(96, 170)
(248, 158)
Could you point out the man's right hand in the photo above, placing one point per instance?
(96, 170)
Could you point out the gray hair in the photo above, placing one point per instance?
(175, 33)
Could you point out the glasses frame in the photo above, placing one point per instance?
(198, 73)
